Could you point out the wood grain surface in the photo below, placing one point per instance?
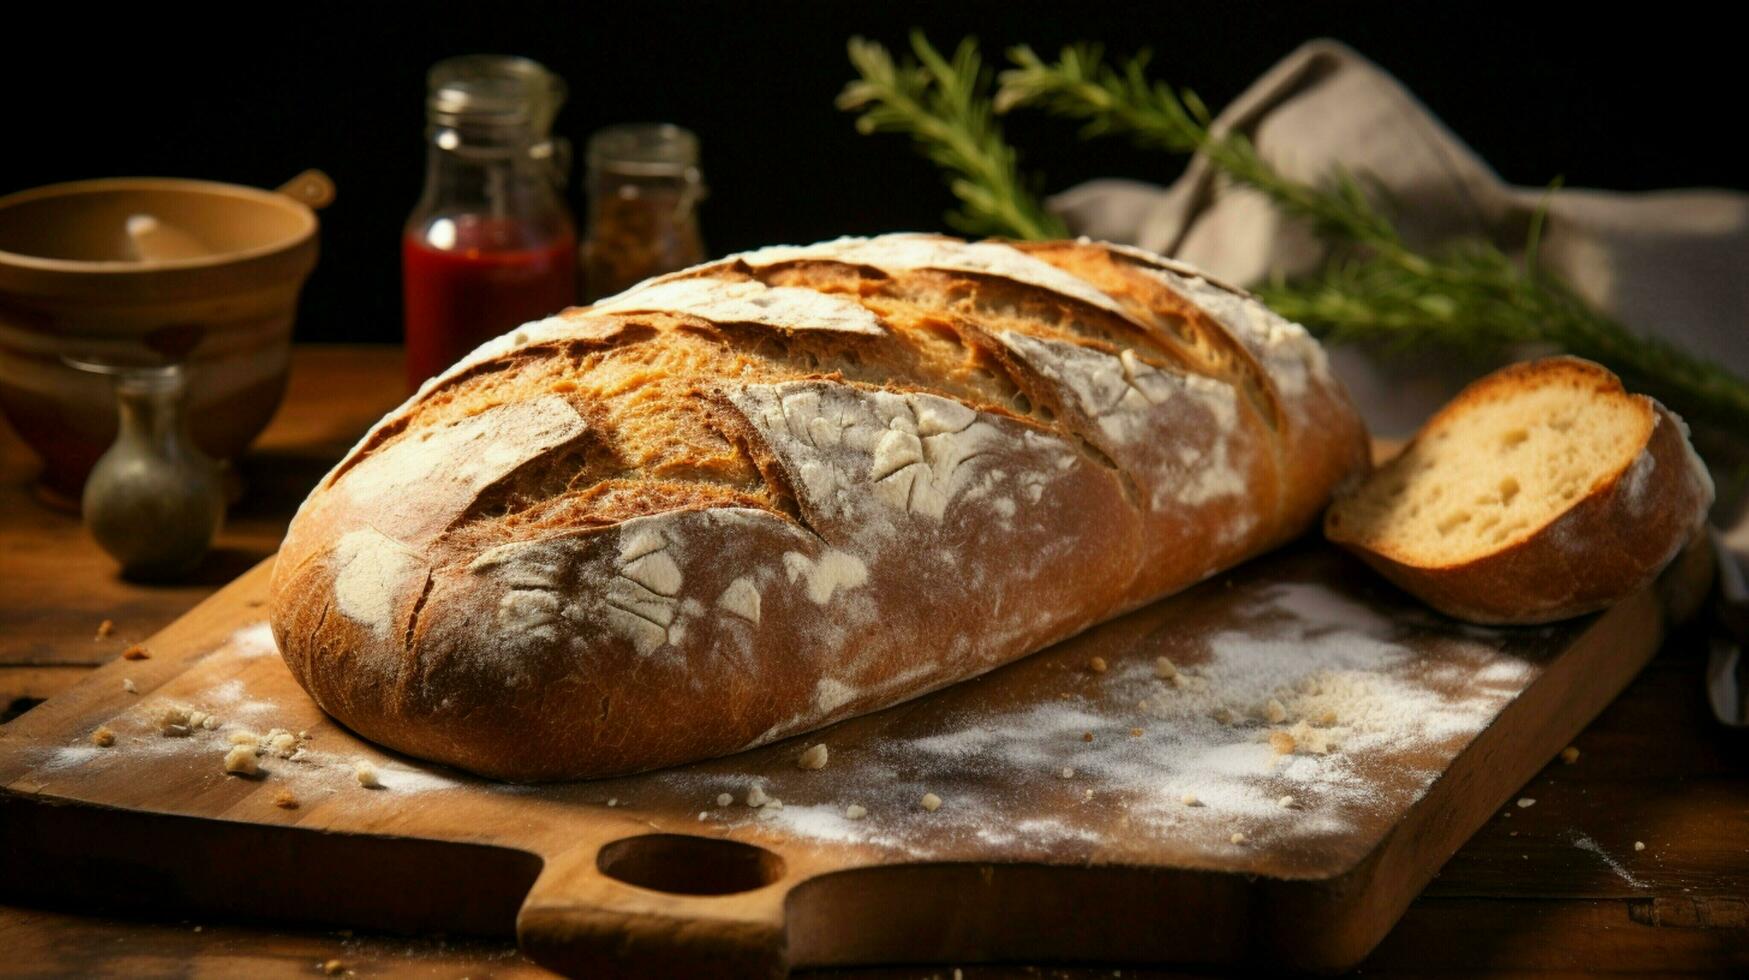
(59, 586)
(649, 875)
(1521, 897)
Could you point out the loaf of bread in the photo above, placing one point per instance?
(744, 500)
(1541, 492)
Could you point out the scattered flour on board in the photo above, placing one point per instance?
(1361, 708)
(1586, 842)
(255, 640)
(310, 772)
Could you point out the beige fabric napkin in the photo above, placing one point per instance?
(1674, 263)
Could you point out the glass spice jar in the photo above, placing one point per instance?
(491, 244)
(644, 187)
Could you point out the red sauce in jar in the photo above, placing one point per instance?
(468, 279)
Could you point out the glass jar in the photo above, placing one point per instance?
(644, 190)
(491, 244)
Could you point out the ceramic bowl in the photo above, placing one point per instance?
(72, 285)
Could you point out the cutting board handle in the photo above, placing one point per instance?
(659, 905)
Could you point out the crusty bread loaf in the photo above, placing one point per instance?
(747, 499)
(1541, 492)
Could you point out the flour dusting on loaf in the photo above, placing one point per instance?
(373, 569)
(1132, 402)
(747, 499)
(749, 301)
(898, 253)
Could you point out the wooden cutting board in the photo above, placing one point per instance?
(1311, 751)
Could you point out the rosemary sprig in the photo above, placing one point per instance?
(1126, 103)
(945, 107)
(1469, 297)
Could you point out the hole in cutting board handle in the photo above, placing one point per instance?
(681, 864)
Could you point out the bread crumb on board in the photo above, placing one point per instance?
(1570, 755)
(1274, 712)
(855, 811)
(1525, 803)
(180, 721)
(333, 967)
(240, 761)
(724, 799)
(1309, 739)
(136, 652)
(1639, 845)
(1237, 838)
(756, 796)
(1189, 799)
(173, 722)
(127, 684)
(1068, 772)
(103, 738)
(104, 629)
(366, 773)
(1097, 665)
(930, 802)
(281, 743)
(1286, 802)
(285, 800)
(814, 757)
(1164, 668)
(1282, 742)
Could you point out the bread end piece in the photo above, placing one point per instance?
(1542, 492)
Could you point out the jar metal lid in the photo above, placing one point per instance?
(494, 90)
(645, 150)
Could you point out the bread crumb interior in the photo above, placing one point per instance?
(1495, 472)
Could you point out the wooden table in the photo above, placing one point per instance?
(1555, 888)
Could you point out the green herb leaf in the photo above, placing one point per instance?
(945, 106)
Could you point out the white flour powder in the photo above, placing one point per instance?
(1344, 680)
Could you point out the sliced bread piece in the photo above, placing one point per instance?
(1541, 492)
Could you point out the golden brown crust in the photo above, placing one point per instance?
(1319, 437)
(743, 501)
(1612, 542)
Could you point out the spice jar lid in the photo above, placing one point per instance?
(645, 150)
(494, 90)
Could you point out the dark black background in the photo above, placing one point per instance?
(254, 94)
